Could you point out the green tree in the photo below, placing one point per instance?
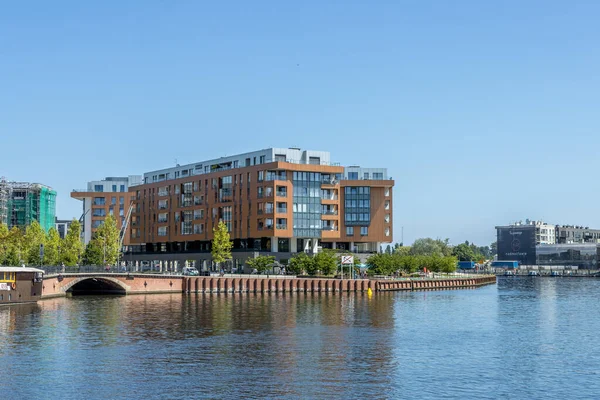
(51, 256)
(94, 251)
(4, 238)
(34, 237)
(104, 246)
(463, 252)
(221, 244)
(261, 263)
(493, 249)
(448, 264)
(326, 261)
(14, 249)
(388, 249)
(71, 247)
(427, 247)
(300, 264)
(381, 264)
(402, 250)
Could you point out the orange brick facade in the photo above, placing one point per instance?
(257, 203)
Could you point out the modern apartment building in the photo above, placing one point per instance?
(110, 196)
(277, 200)
(22, 202)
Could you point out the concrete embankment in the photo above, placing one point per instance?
(286, 285)
(435, 284)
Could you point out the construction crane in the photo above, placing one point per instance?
(123, 231)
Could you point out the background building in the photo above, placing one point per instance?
(110, 196)
(62, 227)
(576, 234)
(277, 200)
(21, 203)
(538, 243)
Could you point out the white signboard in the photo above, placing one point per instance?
(4, 286)
(347, 260)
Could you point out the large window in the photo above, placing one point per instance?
(352, 176)
(163, 191)
(357, 205)
(99, 201)
(98, 188)
(306, 204)
(349, 231)
(186, 225)
(162, 231)
(98, 212)
(364, 230)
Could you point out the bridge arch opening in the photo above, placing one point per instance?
(96, 286)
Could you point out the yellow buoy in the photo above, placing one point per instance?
(369, 292)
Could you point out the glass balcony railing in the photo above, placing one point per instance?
(281, 226)
(281, 210)
(330, 212)
(329, 228)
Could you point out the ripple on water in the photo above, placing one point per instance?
(528, 338)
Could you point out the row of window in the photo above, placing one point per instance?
(7, 277)
(364, 230)
(101, 201)
(353, 176)
(100, 188)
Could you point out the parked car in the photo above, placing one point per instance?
(190, 271)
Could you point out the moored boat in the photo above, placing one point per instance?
(20, 285)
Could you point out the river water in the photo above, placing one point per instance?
(524, 338)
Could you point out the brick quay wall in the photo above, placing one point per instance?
(60, 285)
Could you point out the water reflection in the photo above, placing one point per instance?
(523, 338)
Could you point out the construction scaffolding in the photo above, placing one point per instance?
(3, 201)
(21, 203)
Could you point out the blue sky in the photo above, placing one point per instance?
(484, 112)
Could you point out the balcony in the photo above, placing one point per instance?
(281, 226)
(330, 232)
(330, 212)
(282, 210)
(281, 194)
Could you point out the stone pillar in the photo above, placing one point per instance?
(274, 244)
(315, 244)
(293, 245)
